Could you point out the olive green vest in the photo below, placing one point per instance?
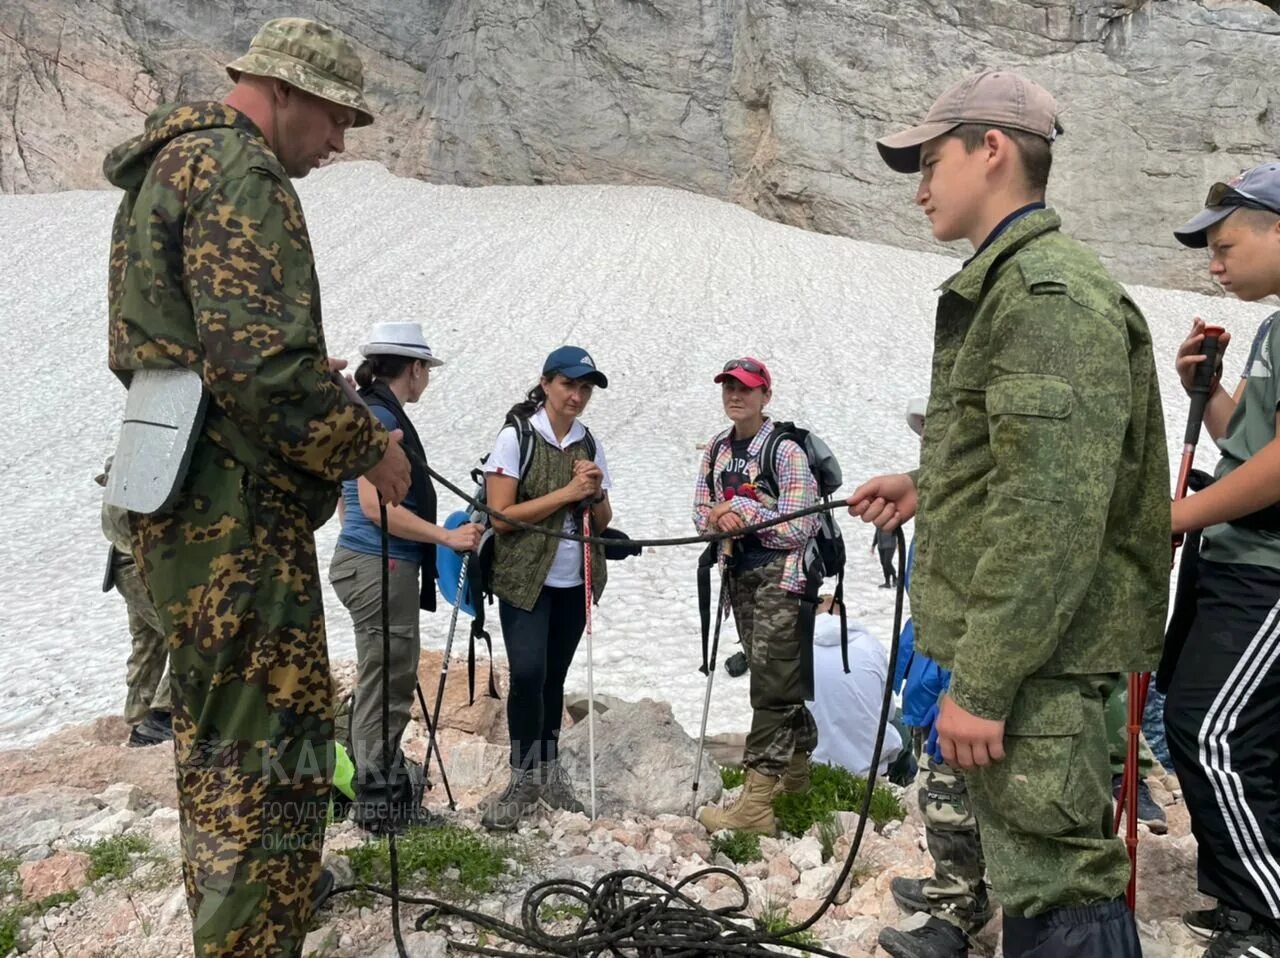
(522, 559)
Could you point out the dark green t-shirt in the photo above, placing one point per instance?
(1251, 427)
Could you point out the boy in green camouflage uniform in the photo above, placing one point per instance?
(211, 269)
(1042, 540)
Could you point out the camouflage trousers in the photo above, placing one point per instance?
(957, 890)
(232, 569)
(1118, 733)
(767, 616)
(147, 674)
(1046, 809)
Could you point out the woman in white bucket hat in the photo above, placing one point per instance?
(395, 371)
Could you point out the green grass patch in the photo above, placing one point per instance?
(113, 857)
(732, 776)
(426, 854)
(774, 918)
(833, 789)
(562, 912)
(741, 848)
(11, 918)
(9, 881)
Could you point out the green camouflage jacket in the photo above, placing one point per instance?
(211, 269)
(1043, 530)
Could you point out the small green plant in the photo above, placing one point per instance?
(113, 857)
(9, 882)
(741, 848)
(560, 912)
(833, 789)
(427, 854)
(774, 917)
(828, 832)
(11, 918)
(732, 776)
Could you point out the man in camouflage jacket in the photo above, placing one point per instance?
(1042, 545)
(212, 270)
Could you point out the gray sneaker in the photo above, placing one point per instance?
(557, 789)
(504, 810)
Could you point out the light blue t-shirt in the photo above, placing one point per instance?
(358, 533)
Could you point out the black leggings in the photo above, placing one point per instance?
(540, 647)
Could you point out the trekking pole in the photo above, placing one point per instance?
(433, 744)
(591, 685)
(433, 723)
(1140, 682)
(711, 668)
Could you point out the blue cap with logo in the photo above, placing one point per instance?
(1255, 189)
(574, 362)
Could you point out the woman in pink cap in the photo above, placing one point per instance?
(766, 582)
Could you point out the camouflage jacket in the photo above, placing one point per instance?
(1043, 532)
(211, 269)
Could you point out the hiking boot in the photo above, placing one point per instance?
(1149, 812)
(736, 664)
(557, 789)
(1206, 922)
(934, 938)
(795, 780)
(1240, 935)
(156, 728)
(752, 812)
(504, 810)
(910, 897)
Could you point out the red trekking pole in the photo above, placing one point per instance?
(1140, 682)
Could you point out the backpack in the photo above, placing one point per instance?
(824, 555)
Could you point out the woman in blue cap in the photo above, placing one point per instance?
(395, 371)
(548, 481)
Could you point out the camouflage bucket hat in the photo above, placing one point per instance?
(310, 56)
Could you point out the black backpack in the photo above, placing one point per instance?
(824, 556)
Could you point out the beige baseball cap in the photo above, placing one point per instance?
(994, 97)
(310, 56)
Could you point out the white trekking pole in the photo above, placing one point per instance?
(591, 685)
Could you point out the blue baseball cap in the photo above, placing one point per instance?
(1255, 189)
(574, 362)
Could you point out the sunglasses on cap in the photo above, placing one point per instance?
(749, 365)
(1221, 195)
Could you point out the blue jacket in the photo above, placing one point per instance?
(919, 679)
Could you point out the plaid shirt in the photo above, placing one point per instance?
(797, 490)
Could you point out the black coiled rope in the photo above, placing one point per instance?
(630, 912)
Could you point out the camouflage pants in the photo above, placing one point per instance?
(957, 889)
(1046, 810)
(147, 676)
(1118, 733)
(233, 572)
(767, 615)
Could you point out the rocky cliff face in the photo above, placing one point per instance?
(773, 104)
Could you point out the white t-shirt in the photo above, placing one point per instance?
(566, 568)
(846, 708)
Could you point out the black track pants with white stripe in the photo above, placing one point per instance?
(1222, 718)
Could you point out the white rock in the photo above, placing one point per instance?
(174, 906)
(106, 824)
(121, 795)
(816, 882)
(806, 854)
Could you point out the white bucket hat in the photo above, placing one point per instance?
(399, 339)
(915, 415)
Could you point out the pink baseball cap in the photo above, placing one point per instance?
(748, 371)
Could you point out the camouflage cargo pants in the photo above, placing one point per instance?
(233, 572)
(147, 676)
(767, 615)
(957, 890)
(1118, 733)
(1046, 809)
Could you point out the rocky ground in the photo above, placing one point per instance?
(89, 835)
